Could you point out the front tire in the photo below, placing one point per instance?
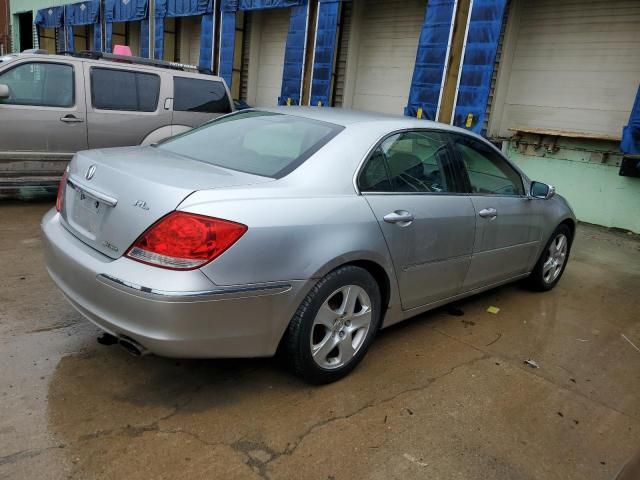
(552, 262)
(334, 326)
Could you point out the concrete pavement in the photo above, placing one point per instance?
(440, 396)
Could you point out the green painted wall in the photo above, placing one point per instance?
(585, 172)
(20, 6)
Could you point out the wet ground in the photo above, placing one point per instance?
(440, 396)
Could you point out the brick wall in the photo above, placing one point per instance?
(5, 38)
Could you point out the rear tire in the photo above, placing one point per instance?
(334, 326)
(552, 262)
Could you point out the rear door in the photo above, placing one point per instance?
(196, 100)
(508, 226)
(124, 105)
(44, 118)
(410, 184)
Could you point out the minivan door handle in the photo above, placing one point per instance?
(488, 213)
(401, 217)
(71, 119)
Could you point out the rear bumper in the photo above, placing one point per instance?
(174, 314)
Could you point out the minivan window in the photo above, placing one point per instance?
(260, 143)
(124, 90)
(40, 84)
(194, 95)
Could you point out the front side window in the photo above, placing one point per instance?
(260, 143)
(124, 90)
(194, 95)
(488, 172)
(415, 162)
(40, 84)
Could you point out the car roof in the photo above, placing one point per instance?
(346, 117)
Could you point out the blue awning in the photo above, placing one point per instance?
(83, 13)
(51, 17)
(182, 8)
(631, 133)
(125, 10)
(264, 4)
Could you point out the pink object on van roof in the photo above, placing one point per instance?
(122, 50)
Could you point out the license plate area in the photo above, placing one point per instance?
(87, 213)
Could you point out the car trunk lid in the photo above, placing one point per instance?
(112, 196)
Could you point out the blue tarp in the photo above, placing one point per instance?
(206, 42)
(479, 58)
(430, 59)
(294, 51)
(50, 17)
(127, 11)
(264, 4)
(326, 37)
(83, 13)
(227, 45)
(631, 133)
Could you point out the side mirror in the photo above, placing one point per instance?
(542, 190)
(4, 91)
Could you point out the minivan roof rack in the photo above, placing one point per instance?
(137, 60)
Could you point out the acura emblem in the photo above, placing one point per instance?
(91, 171)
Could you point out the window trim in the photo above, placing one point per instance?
(100, 67)
(42, 62)
(378, 144)
(465, 171)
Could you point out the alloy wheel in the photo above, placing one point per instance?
(556, 257)
(340, 327)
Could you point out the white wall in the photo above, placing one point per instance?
(271, 38)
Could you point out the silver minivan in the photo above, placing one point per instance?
(52, 106)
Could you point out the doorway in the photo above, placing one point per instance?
(25, 30)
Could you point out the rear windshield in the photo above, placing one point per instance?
(261, 143)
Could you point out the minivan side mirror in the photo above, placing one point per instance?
(542, 190)
(4, 91)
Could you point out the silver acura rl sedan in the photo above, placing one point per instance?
(301, 231)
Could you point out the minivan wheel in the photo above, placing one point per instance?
(552, 262)
(334, 326)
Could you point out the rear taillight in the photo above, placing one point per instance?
(184, 241)
(61, 188)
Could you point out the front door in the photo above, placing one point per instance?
(409, 183)
(508, 226)
(44, 118)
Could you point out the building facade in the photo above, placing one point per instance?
(5, 37)
(554, 83)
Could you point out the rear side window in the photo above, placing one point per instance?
(194, 95)
(260, 143)
(124, 90)
(40, 84)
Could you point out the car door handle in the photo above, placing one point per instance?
(488, 213)
(399, 216)
(71, 119)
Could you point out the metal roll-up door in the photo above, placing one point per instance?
(575, 67)
(343, 49)
(273, 38)
(390, 30)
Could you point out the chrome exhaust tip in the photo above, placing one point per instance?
(132, 347)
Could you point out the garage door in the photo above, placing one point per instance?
(389, 36)
(273, 38)
(575, 67)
